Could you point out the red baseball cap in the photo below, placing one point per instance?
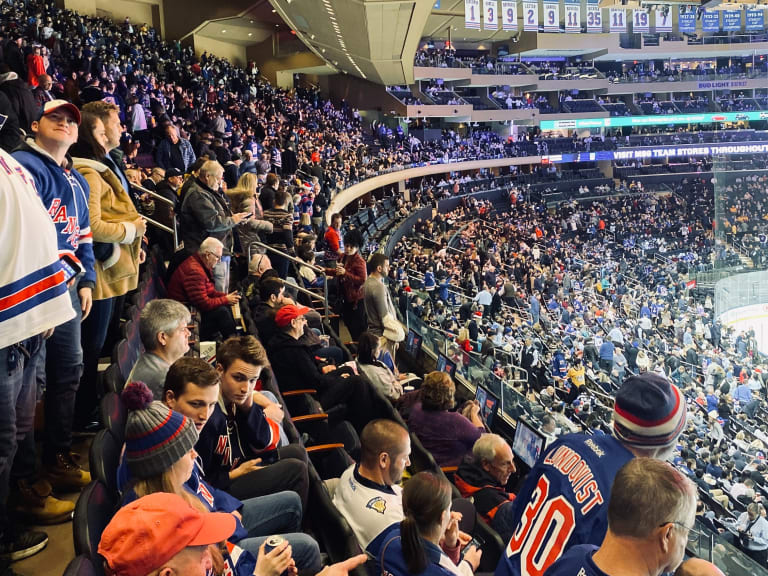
(147, 533)
(288, 313)
(53, 105)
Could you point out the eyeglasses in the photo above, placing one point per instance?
(694, 535)
(216, 257)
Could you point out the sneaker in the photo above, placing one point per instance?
(34, 503)
(66, 474)
(24, 545)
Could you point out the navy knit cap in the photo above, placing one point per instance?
(649, 412)
(156, 437)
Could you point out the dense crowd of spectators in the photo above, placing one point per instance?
(520, 288)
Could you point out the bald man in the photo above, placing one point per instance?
(369, 494)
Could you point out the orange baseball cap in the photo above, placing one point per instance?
(288, 313)
(147, 533)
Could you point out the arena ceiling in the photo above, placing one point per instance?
(371, 39)
(376, 39)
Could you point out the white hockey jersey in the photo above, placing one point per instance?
(369, 508)
(33, 289)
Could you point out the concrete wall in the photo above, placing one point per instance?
(182, 16)
(139, 11)
(232, 52)
(270, 65)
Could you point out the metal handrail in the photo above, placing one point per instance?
(298, 262)
(176, 244)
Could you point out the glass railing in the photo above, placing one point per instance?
(473, 370)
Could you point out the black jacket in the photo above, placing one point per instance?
(294, 365)
(487, 494)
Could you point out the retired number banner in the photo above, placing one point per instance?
(531, 16)
(509, 14)
(472, 14)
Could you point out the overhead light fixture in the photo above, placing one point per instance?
(223, 31)
(273, 10)
(250, 33)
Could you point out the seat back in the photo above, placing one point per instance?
(104, 459)
(330, 527)
(83, 566)
(112, 379)
(125, 355)
(93, 511)
(114, 415)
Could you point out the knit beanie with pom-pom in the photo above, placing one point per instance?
(156, 437)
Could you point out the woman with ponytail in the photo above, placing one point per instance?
(413, 546)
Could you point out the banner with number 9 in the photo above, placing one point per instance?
(509, 14)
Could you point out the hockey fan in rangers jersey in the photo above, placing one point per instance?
(65, 195)
(650, 516)
(564, 499)
(33, 301)
(241, 437)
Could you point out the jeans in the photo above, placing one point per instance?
(288, 473)
(94, 333)
(220, 274)
(279, 513)
(331, 353)
(17, 409)
(63, 369)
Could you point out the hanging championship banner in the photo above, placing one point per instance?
(472, 14)
(755, 20)
(664, 19)
(573, 16)
(640, 21)
(617, 19)
(551, 16)
(732, 20)
(710, 21)
(686, 21)
(531, 16)
(594, 16)
(509, 14)
(491, 14)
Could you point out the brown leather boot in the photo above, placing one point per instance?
(66, 474)
(35, 503)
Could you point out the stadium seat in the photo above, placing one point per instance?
(113, 415)
(104, 459)
(83, 566)
(329, 527)
(112, 379)
(93, 511)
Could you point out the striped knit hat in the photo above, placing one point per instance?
(649, 412)
(156, 437)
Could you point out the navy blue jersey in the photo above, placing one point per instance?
(576, 562)
(563, 502)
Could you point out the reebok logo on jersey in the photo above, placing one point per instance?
(378, 504)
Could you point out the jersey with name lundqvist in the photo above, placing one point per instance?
(563, 502)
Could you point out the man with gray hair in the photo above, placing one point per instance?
(483, 476)
(165, 337)
(651, 512)
(205, 212)
(192, 284)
